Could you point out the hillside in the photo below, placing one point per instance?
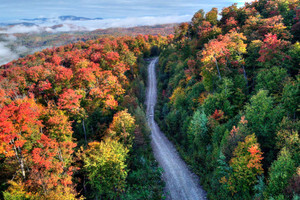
(21, 44)
(229, 99)
(73, 114)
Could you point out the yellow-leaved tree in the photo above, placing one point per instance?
(104, 163)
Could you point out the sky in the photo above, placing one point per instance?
(19, 9)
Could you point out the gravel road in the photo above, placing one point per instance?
(180, 182)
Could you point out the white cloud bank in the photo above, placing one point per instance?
(90, 25)
(6, 52)
(9, 52)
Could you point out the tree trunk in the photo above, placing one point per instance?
(84, 186)
(22, 166)
(218, 70)
(245, 75)
(20, 159)
(83, 126)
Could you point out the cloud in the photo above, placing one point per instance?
(6, 54)
(131, 22)
(54, 25)
(8, 50)
(20, 29)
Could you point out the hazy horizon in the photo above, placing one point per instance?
(18, 9)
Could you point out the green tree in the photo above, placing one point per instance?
(212, 16)
(263, 118)
(221, 173)
(178, 98)
(197, 20)
(291, 96)
(293, 64)
(288, 137)
(222, 99)
(280, 173)
(272, 80)
(197, 132)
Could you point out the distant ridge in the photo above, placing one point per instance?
(64, 18)
(21, 23)
(41, 20)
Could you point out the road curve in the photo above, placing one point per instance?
(181, 184)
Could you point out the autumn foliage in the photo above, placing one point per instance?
(72, 123)
(46, 101)
(229, 98)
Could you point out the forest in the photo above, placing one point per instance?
(229, 99)
(73, 122)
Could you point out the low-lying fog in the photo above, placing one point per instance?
(9, 51)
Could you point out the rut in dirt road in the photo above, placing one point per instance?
(180, 182)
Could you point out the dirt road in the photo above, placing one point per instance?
(180, 182)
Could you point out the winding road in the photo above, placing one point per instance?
(181, 184)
